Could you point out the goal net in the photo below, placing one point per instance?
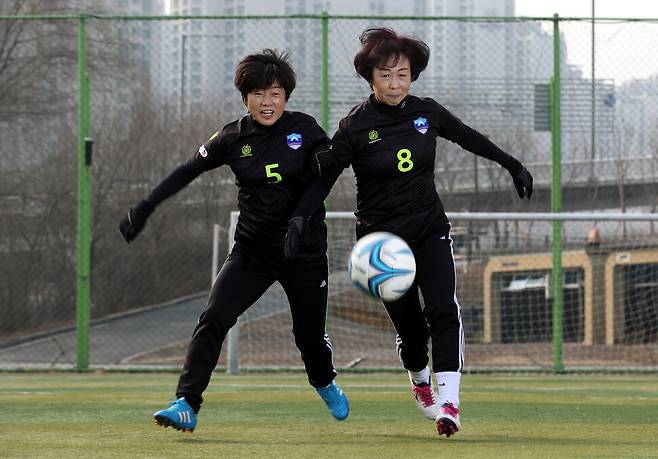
(505, 285)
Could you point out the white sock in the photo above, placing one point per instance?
(448, 382)
(422, 376)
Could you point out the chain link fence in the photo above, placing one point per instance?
(160, 87)
(505, 287)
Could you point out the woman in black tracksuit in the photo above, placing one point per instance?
(390, 142)
(268, 150)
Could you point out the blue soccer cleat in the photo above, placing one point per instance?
(179, 415)
(336, 400)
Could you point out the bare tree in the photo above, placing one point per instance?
(36, 197)
(137, 143)
(32, 62)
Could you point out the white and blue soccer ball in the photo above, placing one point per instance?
(382, 265)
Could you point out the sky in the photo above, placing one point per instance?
(583, 8)
(624, 51)
(580, 8)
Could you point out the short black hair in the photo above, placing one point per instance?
(261, 70)
(378, 44)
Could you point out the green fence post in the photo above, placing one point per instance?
(324, 100)
(324, 113)
(556, 202)
(83, 241)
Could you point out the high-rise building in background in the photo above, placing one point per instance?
(201, 55)
(485, 71)
(141, 48)
(495, 57)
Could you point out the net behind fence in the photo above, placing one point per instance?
(505, 289)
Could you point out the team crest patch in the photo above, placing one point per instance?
(421, 125)
(294, 140)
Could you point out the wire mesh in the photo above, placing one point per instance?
(161, 87)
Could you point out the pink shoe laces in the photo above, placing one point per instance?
(424, 393)
(450, 409)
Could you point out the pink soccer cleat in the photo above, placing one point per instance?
(426, 400)
(447, 421)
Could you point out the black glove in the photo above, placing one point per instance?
(523, 183)
(134, 222)
(294, 240)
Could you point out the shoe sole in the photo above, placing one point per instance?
(340, 417)
(164, 422)
(343, 415)
(447, 427)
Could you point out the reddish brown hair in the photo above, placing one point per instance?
(379, 44)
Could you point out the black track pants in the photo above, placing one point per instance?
(441, 317)
(244, 277)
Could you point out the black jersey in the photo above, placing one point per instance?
(271, 170)
(271, 167)
(392, 151)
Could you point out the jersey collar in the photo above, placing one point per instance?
(386, 109)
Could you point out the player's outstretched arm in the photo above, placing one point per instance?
(133, 223)
(453, 129)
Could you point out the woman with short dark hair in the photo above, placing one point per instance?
(390, 142)
(271, 180)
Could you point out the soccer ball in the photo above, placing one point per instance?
(382, 265)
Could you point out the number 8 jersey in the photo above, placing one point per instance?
(392, 151)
